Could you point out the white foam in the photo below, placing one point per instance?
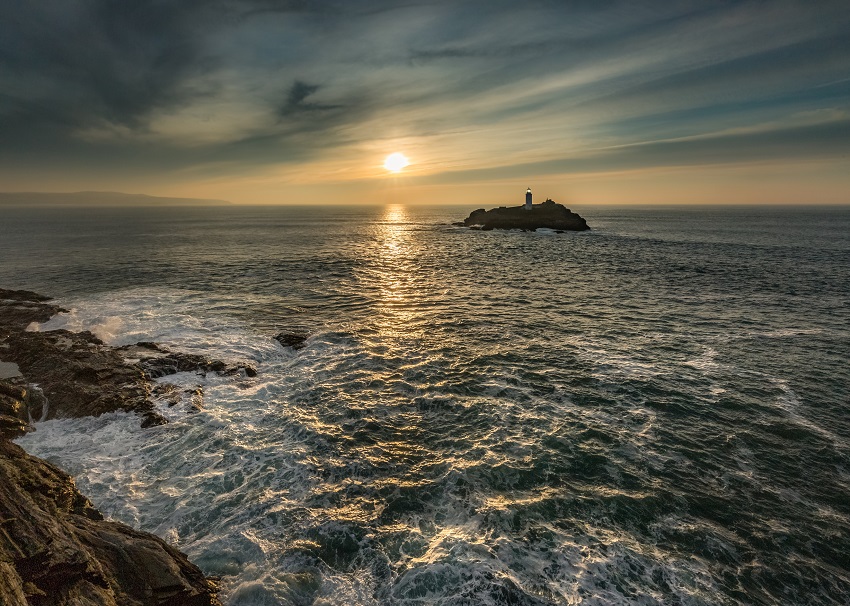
(98, 451)
(787, 332)
(792, 407)
(246, 485)
(707, 362)
(175, 318)
(610, 363)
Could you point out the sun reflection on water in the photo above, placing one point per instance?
(396, 285)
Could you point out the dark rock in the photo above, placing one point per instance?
(12, 426)
(151, 345)
(293, 340)
(11, 390)
(166, 392)
(81, 376)
(13, 410)
(169, 363)
(56, 548)
(196, 399)
(78, 374)
(17, 315)
(547, 215)
(152, 419)
(13, 407)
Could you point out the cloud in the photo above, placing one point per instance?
(539, 85)
(829, 139)
(296, 100)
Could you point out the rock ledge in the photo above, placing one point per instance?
(55, 547)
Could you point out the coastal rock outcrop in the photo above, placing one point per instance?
(79, 375)
(56, 548)
(13, 407)
(549, 215)
(157, 361)
(290, 339)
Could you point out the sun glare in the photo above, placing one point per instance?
(395, 162)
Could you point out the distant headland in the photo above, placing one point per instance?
(529, 216)
(98, 198)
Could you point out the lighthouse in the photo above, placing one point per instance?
(528, 199)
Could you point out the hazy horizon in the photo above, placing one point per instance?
(130, 199)
(258, 102)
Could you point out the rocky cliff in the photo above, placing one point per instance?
(55, 547)
(549, 215)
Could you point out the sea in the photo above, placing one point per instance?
(654, 412)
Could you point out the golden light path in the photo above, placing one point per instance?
(395, 162)
(397, 305)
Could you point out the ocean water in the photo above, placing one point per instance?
(653, 412)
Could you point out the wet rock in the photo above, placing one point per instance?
(158, 361)
(11, 390)
(166, 393)
(13, 410)
(56, 548)
(17, 315)
(289, 339)
(196, 399)
(81, 376)
(150, 345)
(12, 427)
(168, 363)
(78, 374)
(152, 419)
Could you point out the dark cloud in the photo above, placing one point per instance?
(71, 66)
(296, 100)
(121, 60)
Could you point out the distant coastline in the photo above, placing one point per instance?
(99, 199)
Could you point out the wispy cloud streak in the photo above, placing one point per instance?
(474, 85)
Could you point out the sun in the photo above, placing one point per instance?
(395, 162)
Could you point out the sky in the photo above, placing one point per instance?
(300, 101)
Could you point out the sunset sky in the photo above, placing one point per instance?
(301, 101)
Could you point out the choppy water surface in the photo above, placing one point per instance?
(655, 412)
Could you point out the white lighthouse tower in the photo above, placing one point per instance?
(528, 199)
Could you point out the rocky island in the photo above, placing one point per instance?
(529, 217)
(55, 547)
